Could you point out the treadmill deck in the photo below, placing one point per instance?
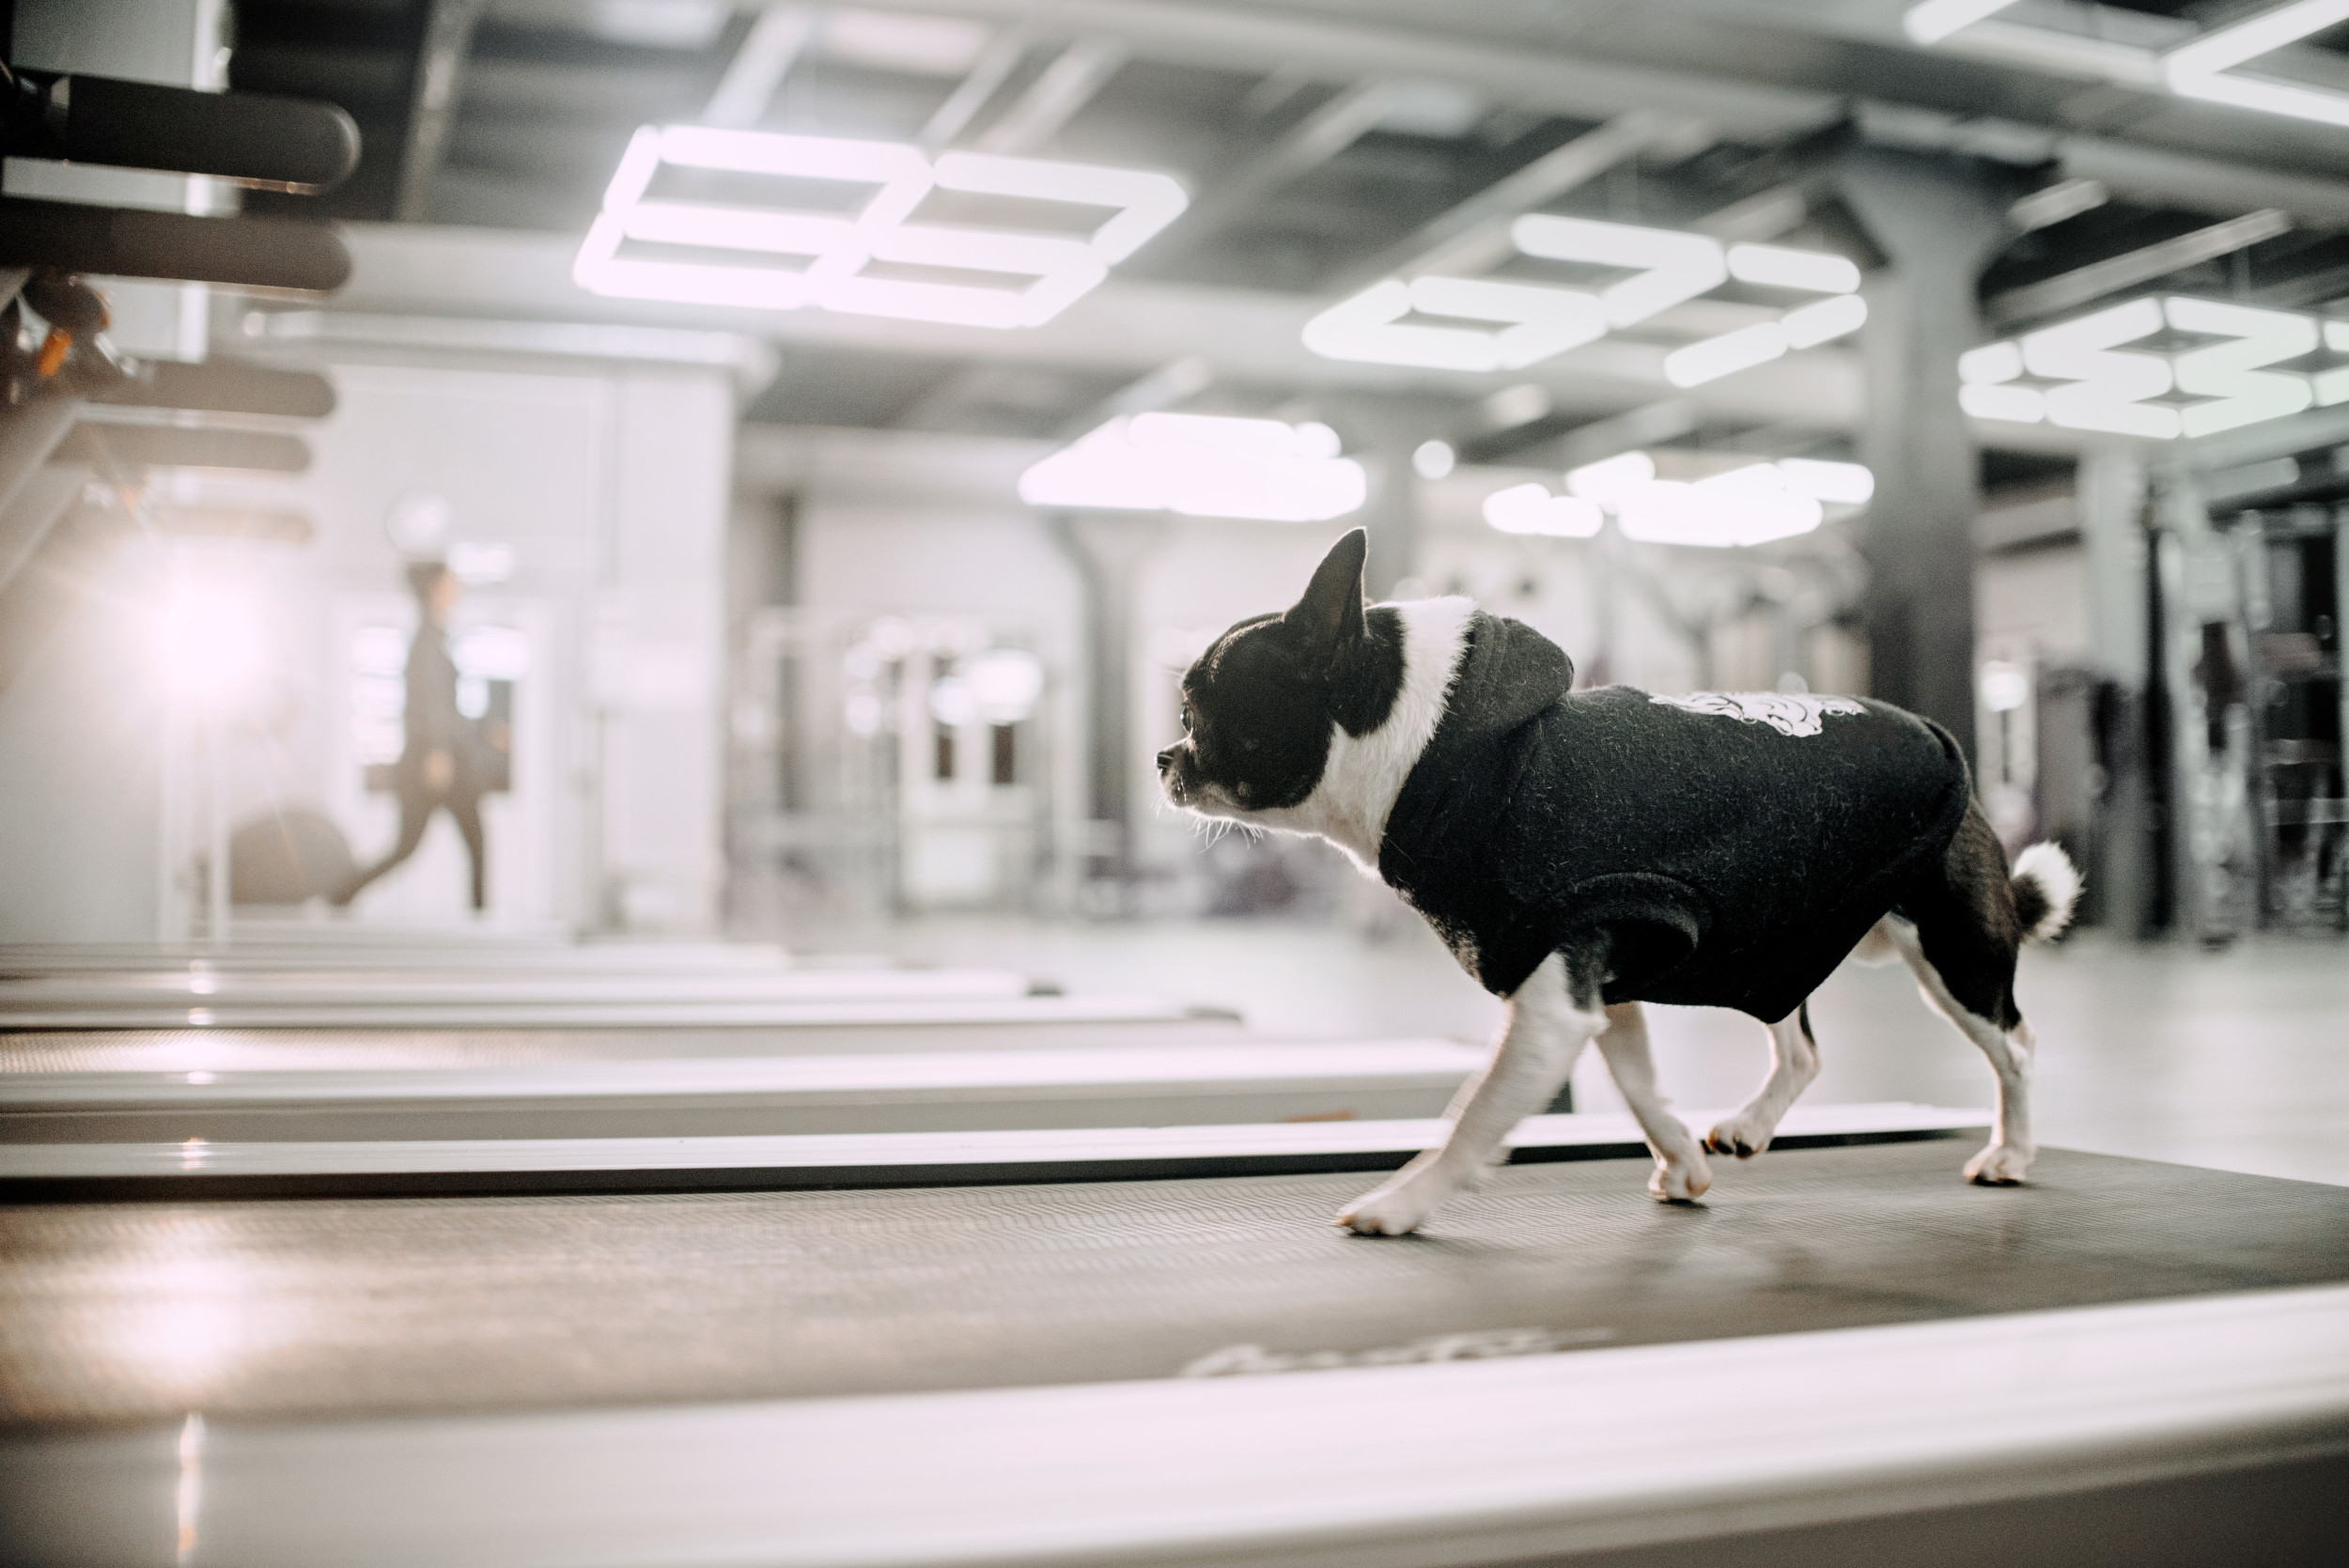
(120, 1313)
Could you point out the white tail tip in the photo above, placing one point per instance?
(2049, 872)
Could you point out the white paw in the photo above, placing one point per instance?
(1680, 1180)
(1394, 1209)
(1742, 1135)
(2000, 1165)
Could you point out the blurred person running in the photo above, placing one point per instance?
(438, 766)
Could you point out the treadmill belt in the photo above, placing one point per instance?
(346, 1308)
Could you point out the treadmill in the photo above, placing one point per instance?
(1148, 1345)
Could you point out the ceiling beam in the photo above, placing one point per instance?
(1125, 326)
(448, 26)
(2203, 184)
(1315, 140)
(987, 77)
(1474, 234)
(1054, 97)
(1761, 217)
(755, 73)
(2115, 273)
(1265, 38)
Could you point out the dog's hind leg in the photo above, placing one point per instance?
(1959, 932)
(1682, 1174)
(1793, 1063)
(1552, 1018)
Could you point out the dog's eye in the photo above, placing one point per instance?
(1186, 718)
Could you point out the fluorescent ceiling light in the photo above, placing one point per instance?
(2103, 385)
(1809, 326)
(1936, 19)
(1804, 327)
(1750, 505)
(2267, 96)
(1370, 327)
(2018, 404)
(1713, 514)
(1147, 202)
(2199, 69)
(1529, 508)
(1547, 322)
(1612, 478)
(1202, 466)
(2253, 37)
(1541, 320)
(2233, 373)
(1777, 267)
(1845, 484)
(675, 223)
(2086, 351)
(1043, 272)
(1991, 363)
(1674, 267)
(1725, 355)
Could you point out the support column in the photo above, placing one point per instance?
(1381, 433)
(1939, 219)
(2111, 490)
(1107, 553)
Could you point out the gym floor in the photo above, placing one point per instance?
(2228, 1060)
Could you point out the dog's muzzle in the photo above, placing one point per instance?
(1171, 773)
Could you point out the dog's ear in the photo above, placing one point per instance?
(1330, 614)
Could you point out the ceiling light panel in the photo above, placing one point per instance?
(1753, 503)
(2206, 66)
(1529, 508)
(1427, 321)
(1201, 465)
(2158, 367)
(823, 258)
(1936, 19)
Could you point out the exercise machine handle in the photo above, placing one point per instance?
(253, 253)
(222, 387)
(288, 144)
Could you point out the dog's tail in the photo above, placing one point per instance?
(2046, 885)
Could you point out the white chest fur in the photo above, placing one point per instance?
(1365, 774)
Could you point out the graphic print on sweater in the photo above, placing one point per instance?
(1784, 712)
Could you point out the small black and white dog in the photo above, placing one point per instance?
(1584, 851)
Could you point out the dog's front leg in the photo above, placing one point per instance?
(1682, 1174)
(1546, 1029)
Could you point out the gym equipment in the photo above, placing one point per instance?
(1844, 1354)
(685, 1096)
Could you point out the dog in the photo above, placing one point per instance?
(1583, 852)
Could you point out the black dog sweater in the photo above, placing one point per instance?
(1732, 848)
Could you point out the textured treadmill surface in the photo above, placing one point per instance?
(132, 1313)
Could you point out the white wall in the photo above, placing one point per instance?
(80, 743)
(81, 757)
(608, 485)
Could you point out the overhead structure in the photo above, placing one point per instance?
(837, 250)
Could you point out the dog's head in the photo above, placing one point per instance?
(1260, 704)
